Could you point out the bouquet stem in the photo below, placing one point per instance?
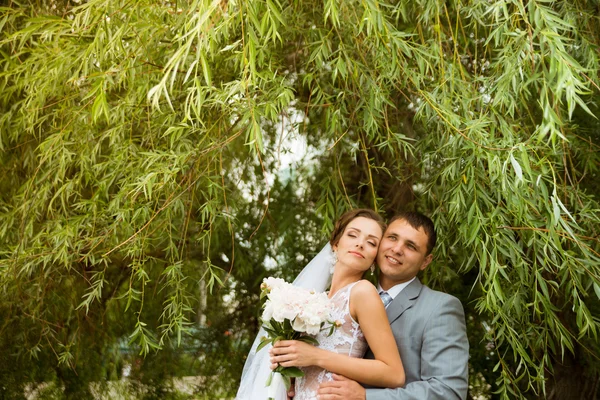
(274, 383)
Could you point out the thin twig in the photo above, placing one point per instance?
(262, 166)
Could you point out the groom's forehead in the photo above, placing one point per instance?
(396, 225)
(402, 226)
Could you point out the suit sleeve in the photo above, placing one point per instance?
(444, 359)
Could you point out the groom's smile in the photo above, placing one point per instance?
(392, 260)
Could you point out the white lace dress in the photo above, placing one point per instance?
(348, 339)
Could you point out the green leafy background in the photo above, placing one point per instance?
(152, 175)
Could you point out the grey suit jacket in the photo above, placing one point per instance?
(429, 328)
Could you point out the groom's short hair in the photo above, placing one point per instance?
(419, 221)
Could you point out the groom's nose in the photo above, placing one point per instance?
(397, 248)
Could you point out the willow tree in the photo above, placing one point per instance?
(141, 146)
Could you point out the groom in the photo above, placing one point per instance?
(429, 326)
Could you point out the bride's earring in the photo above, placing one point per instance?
(334, 261)
(373, 269)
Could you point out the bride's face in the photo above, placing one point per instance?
(357, 247)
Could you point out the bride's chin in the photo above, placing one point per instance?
(355, 267)
(361, 267)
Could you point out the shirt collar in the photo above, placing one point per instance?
(396, 289)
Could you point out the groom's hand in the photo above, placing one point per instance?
(341, 388)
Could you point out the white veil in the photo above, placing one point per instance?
(316, 275)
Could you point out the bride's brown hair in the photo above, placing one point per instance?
(347, 217)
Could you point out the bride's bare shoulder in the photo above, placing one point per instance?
(364, 290)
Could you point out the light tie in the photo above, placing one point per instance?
(386, 298)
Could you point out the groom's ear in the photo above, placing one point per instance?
(426, 261)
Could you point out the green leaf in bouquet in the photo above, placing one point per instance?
(331, 329)
(263, 342)
(269, 379)
(287, 382)
(278, 338)
(287, 325)
(309, 340)
(292, 372)
(276, 326)
(270, 330)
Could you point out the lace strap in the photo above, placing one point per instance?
(347, 310)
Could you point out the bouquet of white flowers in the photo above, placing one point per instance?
(291, 313)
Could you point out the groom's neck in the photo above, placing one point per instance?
(387, 283)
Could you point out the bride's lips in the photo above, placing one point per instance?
(356, 254)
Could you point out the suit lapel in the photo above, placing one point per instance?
(404, 300)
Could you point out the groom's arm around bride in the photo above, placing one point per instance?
(429, 326)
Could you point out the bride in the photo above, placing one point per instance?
(351, 250)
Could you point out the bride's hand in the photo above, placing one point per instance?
(293, 353)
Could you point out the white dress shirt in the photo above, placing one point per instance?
(396, 289)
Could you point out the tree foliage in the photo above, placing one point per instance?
(144, 169)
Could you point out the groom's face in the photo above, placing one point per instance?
(402, 253)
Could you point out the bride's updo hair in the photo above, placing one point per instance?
(347, 217)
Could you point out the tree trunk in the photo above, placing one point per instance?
(573, 379)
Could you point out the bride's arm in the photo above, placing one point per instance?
(385, 370)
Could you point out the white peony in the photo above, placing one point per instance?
(305, 311)
(271, 283)
(299, 325)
